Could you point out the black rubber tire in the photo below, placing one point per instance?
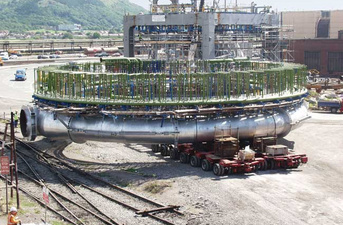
(174, 154)
(218, 170)
(195, 161)
(164, 150)
(334, 110)
(229, 171)
(297, 164)
(259, 166)
(206, 165)
(184, 158)
(265, 165)
(272, 164)
(155, 148)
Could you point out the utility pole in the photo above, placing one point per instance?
(13, 162)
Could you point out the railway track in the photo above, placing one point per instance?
(80, 197)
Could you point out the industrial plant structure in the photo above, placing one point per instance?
(185, 31)
(165, 102)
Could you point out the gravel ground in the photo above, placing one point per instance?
(311, 194)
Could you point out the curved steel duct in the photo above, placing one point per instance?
(79, 128)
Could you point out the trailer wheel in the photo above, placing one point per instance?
(272, 164)
(174, 153)
(195, 161)
(155, 148)
(164, 150)
(206, 165)
(296, 164)
(334, 110)
(218, 170)
(265, 165)
(184, 158)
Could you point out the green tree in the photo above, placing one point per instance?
(96, 35)
(112, 31)
(67, 36)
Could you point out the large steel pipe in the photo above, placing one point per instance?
(79, 128)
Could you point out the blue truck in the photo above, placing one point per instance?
(332, 105)
(20, 74)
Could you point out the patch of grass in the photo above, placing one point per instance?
(156, 187)
(124, 184)
(313, 94)
(104, 174)
(313, 105)
(131, 170)
(37, 211)
(57, 222)
(136, 171)
(149, 175)
(27, 204)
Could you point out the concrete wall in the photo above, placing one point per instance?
(304, 23)
(336, 23)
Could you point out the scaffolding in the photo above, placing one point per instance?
(215, 31)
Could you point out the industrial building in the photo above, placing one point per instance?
(316, 39)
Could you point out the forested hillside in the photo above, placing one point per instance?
(22, 15)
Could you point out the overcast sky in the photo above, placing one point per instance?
(279, 5)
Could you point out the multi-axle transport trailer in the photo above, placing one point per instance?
(225, 157)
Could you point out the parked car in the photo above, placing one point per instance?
(13, 57)
(20, 74)
(54, 56)
(42, 57)
(102, 54)
(117, 54)
(81, 55)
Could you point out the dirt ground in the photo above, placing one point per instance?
(311, 194)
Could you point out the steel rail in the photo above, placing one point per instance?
(95, 177)
(41, 180)
(126, 205)
(65, 178)
(71, 201)
(71, 187)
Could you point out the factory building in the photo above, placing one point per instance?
(316, 39)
